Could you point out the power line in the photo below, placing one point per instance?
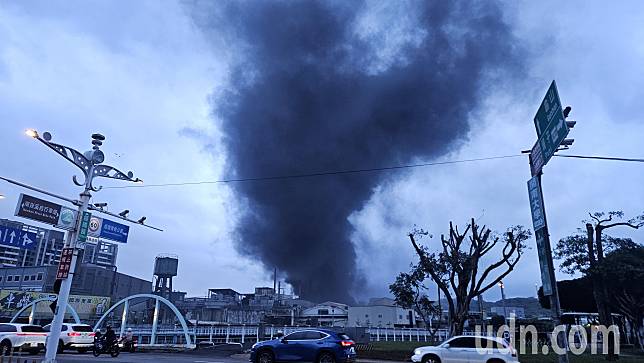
(355, 171)
(315, 174)
(600, 158)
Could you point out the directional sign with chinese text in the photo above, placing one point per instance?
(84, 226)
(38, 209)
(536, 204)
(46, 212)
(550, 124)
(114, 231)
(544, 262)
(17, 238)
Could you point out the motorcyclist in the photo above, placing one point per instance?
(129, 335)
(110, 336)
(128, 340)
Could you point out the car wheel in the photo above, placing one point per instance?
(265, 357)
(5, 348)
(326, 357)
(495, 360)
(431, 359)
(61, 347)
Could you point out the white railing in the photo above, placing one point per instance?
(251, 333)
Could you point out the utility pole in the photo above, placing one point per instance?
(91, 165)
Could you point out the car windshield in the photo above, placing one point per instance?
(32, 329)
(82, 328)
(344, 336)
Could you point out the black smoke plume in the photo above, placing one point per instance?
(307, 94)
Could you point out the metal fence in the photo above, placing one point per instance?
(252, 333)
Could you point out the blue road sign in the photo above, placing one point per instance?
(114, 231)
(17, 238)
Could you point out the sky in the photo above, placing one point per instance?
(153, 76)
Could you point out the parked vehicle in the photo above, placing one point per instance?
(74, 336)
(22, 337)
(463, 349)
(311, 345)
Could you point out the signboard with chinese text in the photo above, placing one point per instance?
(65, 263)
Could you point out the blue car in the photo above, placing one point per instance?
(311, 345)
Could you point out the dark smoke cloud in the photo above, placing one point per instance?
(305, 97)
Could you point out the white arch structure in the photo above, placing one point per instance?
(32, 305)
(158, 300)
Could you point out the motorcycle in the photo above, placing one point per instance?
(101, 346)
(129, 345)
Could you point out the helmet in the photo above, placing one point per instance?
(129, 329)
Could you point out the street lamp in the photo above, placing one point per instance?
(91, 164)
(31, 133)
(505, 311)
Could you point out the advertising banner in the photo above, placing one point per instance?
(11, 301)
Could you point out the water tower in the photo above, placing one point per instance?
(165, 268)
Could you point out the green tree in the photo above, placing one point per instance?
(571, 251)
(457, 268)
(411, 293)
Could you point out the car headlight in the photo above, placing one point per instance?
(254, 345)
(417, 352)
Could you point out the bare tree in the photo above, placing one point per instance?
(456, 268)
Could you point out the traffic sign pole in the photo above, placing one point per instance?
(66, 284)
(555, 307)
(552, 129)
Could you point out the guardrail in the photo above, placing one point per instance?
(244, 334)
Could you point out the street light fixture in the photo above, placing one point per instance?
(90, 163)
(141, 220)
(505, 311)
(124, 213)
(31, 133)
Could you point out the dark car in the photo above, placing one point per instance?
(311, 345)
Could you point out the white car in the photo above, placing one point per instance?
(462, 349)
(21, 337)
(75, 336)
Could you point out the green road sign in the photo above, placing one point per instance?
(84, 226)
(550, 124)
(544, 261)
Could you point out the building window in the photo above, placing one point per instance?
(399, 316)
(0, 278)
(39, 278)
(380, 315)
(323, 311)
(16, 278)
(9, 278)
(366, 315)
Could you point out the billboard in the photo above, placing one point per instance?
(11, 301)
